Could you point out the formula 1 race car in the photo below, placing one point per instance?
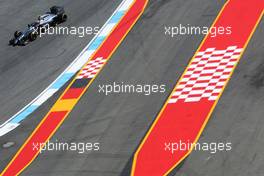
(22, 38)
(55, 16)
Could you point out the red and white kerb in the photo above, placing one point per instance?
(91, 68)
(206, 75)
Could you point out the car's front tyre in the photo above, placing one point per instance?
(17, 34)
(64, 17)
(33, 36)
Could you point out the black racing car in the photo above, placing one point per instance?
(55, 16)
(22, 38)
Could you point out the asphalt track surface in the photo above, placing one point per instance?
(119, 121)
(26, 71)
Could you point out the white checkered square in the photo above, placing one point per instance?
(207, 74)
(91, 68)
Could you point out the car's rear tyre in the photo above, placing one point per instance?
(17, 34)
(54, 10)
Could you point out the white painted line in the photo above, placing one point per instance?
(44, 97)
(108, 28)
(7, 128)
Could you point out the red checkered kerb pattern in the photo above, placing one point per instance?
(206, 75)
(91, 68)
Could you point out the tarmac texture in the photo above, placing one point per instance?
(119, 121)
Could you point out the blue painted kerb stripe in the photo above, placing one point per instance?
(24, 114)
(62, 80)
(96, 43)
(116, 17)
